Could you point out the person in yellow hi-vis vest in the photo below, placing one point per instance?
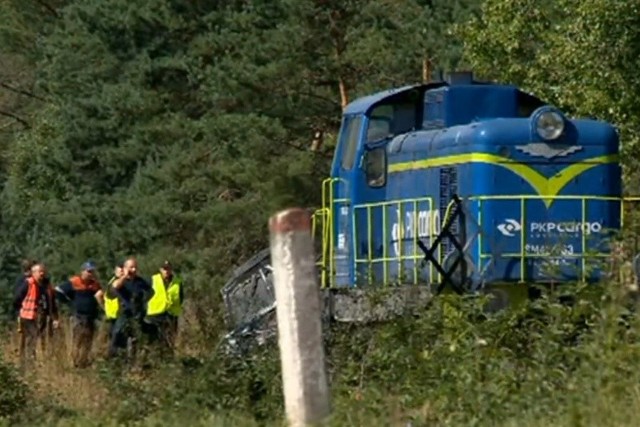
(111, 307)
(165, 307)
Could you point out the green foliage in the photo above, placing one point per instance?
(580, 55)
(454, 364)
(173, 129)
(14, 392)
(169, 127)
(23, 22)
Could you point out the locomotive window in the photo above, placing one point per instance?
(350, 141)
(379, 128)
(390, 120)
(375, 167)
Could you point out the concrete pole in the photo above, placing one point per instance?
(304, 378)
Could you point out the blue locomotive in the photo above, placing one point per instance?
(467, 183)
(460, 183)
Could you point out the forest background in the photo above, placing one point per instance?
(173, 129)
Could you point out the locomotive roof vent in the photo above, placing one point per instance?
(459, 78)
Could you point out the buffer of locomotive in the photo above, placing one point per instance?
(460, 126)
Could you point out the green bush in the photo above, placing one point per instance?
(13, 392)
(452, 365)
(544, 363)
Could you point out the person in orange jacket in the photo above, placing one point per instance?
(85, 296)
(35, 300)
(26, 265)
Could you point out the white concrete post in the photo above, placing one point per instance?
(304, 378)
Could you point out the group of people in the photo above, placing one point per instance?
(136, 311)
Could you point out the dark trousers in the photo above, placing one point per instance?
(106, 331)
(125, 334)
(33, 331)
(84, 329)
(172, 330)
(158, 330)
(118, 336)
(110, 325)
(28, 340)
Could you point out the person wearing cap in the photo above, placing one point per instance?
(165, 307)
(133, 292)
(85, 296)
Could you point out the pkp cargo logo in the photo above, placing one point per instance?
(509, 227)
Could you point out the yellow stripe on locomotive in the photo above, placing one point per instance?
(542, 185)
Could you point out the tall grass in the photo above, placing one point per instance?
(546, 363)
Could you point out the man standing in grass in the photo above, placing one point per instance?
(36, 302)
(27, 265)
(163, 310)
(132, 292)
(84, 293)
(110, 309)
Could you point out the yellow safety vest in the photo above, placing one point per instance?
(111, 305)
(165, 300)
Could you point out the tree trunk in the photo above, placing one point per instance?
(426, 70)
(337, 34)
(344, 97)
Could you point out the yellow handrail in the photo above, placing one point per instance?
(368, 217)
(404, 208)
(522, 255)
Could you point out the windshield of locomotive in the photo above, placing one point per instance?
(389, 120)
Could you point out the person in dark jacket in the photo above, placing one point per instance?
(133, 293)
(26, 265)
(35, 301)
(84, 294)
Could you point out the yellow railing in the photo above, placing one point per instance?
(325, 231)
(421, 213)
(372, 219)
(523, 254)
(322, 216)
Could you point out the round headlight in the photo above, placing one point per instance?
(549, 125)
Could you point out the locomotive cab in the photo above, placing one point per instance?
(372, 122)
(530, 181)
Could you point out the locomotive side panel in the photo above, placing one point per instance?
(387, 231)
(529, 218)
(548, 209)
(527, 237)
